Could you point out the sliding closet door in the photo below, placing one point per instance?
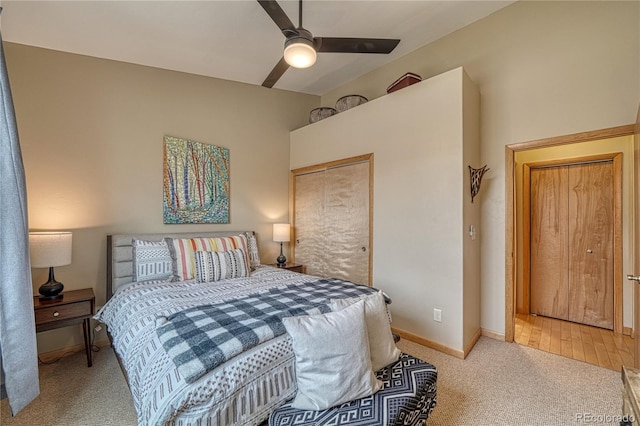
(309, 222)
(347, 222)
(331, 220)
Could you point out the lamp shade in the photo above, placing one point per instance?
(281, 232)
(50, 249)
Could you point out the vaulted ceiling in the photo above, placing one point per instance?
(235, 40)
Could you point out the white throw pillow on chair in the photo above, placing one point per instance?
(381, 345)
(333, 364)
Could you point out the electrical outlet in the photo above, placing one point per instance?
(98, 328)
(437, 315)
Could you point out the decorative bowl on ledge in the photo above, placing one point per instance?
(321, 113)
(349, 101)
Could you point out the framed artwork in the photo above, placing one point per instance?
(196, 182)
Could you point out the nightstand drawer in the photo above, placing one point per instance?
(62, 312)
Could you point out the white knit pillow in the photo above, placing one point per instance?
(333, 365)
(381, 345)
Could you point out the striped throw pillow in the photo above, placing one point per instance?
(183, 249)
(215, 266)
(151, 260)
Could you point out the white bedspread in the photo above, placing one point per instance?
(242, 391)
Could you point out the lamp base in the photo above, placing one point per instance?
(50, 298)
(51, 289)
(281, 259)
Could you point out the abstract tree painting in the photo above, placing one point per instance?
(196, 182)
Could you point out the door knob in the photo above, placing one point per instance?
(589, 251)
(632, 278)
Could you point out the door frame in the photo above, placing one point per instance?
(636, 239)
(325, 166)
(510, 219)
(616, 159)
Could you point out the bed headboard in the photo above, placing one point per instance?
(120, 254)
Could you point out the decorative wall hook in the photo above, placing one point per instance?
(476, 178)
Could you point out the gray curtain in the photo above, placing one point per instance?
(17, 324)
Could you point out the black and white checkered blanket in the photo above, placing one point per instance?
(201, 338)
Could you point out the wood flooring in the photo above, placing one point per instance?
(581, 342)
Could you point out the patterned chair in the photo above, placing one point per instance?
(407, 398)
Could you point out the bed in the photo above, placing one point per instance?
(243, 383)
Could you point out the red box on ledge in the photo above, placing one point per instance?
(406, 80)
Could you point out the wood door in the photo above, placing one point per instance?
(572, 251)
(549, 242)
(591, 244)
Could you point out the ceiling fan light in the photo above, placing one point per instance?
(299, 53)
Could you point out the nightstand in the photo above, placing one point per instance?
(75, 307)
(295, 267)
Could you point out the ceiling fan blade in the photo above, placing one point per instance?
(354, 45)
(281, 67)
(276, 13)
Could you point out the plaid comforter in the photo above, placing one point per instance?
(201, 338)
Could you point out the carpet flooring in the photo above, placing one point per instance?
(498, 384)
(508, 384)
(71, 394)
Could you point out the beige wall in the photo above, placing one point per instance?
(470, 211)
(422, 138)
(91, 132)
(543, 69)
(621, 144)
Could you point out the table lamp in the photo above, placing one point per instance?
(281, 234)
(47, 250)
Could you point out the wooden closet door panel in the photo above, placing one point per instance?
(549, 242)
(591, 245)
(347, 222)
(309, 222)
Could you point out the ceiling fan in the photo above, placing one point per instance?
(300, 46)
